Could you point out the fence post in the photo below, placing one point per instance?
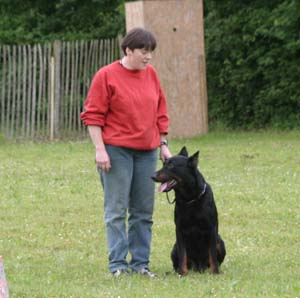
(52, 98)
(55, 90)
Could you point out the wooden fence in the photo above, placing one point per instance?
(42, 87)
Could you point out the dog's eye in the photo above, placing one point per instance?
(170, 165)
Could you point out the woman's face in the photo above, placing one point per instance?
(138, 58)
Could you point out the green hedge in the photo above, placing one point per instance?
(28, 22)
(253, 63)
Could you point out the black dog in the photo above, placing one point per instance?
(198, 245)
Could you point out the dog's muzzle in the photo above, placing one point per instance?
(166, 185)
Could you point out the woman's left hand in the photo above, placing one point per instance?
(165, 153)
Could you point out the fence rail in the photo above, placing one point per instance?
(42, 87)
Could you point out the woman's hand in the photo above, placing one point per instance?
(165, 153)
(102, 160)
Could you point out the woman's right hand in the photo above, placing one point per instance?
(102, 160)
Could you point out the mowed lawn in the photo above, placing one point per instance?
(52, 235)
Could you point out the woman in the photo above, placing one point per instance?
(127, 118)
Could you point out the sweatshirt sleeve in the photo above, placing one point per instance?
(97, 101)
(162, 115)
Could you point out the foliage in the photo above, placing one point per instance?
(252, 50)
(52, 236)
(24, 21)
(253, 65)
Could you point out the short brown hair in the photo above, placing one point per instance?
(138, 38)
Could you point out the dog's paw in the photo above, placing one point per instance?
(182, 274)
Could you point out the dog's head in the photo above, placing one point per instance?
(177, 171)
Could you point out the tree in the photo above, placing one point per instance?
(253, 65)
(32, 21)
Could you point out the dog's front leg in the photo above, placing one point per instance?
(213, 261)
(182, 255)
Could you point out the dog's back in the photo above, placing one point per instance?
(198, 244)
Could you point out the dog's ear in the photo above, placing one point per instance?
(183, 152)
(193, 160)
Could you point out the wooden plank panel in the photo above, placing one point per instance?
(29, 90)
(79, 82)
(13, 93)
(19, 91)
(33, 88)
(40, 88)
(3, 80)
(9, 87)
(57, 60)
(24, 97)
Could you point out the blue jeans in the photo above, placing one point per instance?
(129, 191)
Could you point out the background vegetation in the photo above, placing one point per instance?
(27, 21)
(252, 50)
(253, 65)
(52, 234)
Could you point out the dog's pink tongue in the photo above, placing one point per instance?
(163, 187)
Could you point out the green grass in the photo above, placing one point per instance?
(52, 236)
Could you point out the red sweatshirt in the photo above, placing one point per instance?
(129, 105)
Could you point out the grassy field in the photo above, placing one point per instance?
(52, 236)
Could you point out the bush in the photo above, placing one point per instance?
(28, 22)
(253, 65)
